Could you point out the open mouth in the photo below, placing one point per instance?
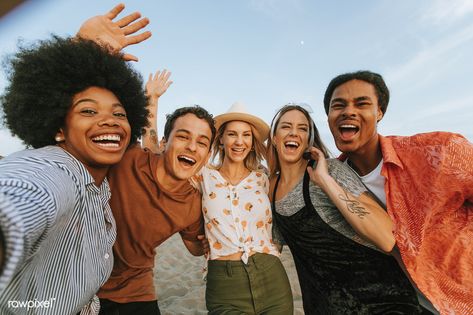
(348, 131)
(108, 140)
(291, 145)
(187, 161)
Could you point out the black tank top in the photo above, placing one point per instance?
(338, 275)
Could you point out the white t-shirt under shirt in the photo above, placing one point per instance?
(237, 218)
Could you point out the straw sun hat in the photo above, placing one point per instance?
(239, 112)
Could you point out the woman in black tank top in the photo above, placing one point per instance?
(339, 272)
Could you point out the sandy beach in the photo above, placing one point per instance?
(178, 279)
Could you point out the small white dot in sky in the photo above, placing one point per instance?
(302, 42)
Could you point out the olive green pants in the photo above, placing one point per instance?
(260, 287)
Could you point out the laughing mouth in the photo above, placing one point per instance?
(186, 160)
(108, 140)
(291, 145)
(348, 130)
(238, 150)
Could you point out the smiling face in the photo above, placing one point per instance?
(353, 116)
(291, 136)
(96, 130)
(187, 148)
(237, 140)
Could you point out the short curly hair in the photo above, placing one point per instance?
(44, 77)
(198, 111)
(375, 79)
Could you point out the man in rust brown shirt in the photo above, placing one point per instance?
(151, 200)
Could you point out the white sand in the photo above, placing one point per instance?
(178, 279)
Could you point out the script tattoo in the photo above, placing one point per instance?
(153, 136)
(354, 206)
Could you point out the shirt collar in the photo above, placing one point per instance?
(387, 149)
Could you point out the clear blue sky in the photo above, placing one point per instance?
(269, 52)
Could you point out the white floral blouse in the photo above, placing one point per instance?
(237, 218)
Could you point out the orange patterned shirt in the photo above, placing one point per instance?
(429, 196)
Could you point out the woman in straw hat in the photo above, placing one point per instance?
(337, 233)
(245, 273)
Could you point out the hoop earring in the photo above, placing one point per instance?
(59, 139)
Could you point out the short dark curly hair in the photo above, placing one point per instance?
(44, 77)
(197, 111)
(382, 91)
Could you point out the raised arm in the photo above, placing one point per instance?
(156, 86)
(363, 213)
(116, 34)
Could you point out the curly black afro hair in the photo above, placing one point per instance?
(43, 79)
(373, 78)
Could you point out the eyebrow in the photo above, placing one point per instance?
(91, 100)
(188, 132)
(357, 99)
(290, 123)
(363, 98)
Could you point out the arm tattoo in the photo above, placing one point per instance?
(354, 206)
(153, 136)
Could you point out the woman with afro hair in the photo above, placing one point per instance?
(79, 106)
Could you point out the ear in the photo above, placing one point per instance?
(60, 137)
(380, 114)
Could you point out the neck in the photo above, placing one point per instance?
(291, 172)
(365, 161)
(167, 181)
(98, 174)
(233, 168)
(233, 172)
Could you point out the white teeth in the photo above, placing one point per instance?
(292, 143)
(348, 126)
(186, 158)
(238, 149)
(107, 138)
(108, 144)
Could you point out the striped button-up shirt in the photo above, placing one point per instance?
(58, 232)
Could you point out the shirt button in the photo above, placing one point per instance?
(106, 256)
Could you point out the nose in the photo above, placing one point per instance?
(239, 139)
(349, 111)
(293, 131)
(108, 120)
(192, 145)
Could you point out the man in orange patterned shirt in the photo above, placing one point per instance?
(426, 183)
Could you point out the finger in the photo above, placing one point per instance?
(130, 18)
(132, 40)
(168, 84)
(135, 27)
(311, 172)
(167, 75)
(129, 57)
(316, 154)
(115, 11)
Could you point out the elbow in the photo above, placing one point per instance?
(387, 244)
(197, 253)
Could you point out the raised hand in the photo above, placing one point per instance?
(158, 84)
(319, 174)
(116, 34)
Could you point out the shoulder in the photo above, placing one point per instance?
(425, 139)
(39, 165)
